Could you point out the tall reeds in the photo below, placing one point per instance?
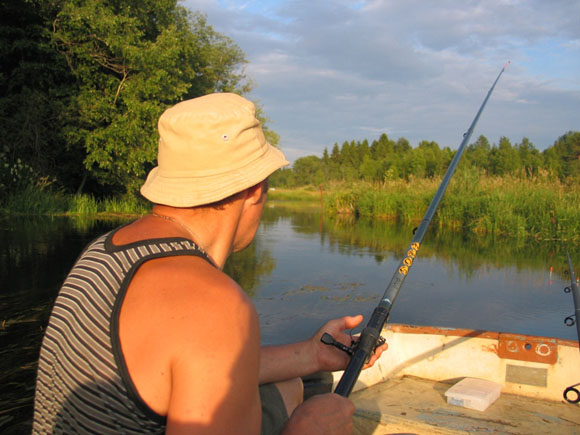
(540, 208)
(33, 201)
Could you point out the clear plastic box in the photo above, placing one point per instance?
(473, 393)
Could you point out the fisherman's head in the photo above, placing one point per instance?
(210, 148)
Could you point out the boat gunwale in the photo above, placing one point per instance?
(463, 332)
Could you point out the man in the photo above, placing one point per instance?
(149, 335)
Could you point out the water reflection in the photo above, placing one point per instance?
(36, 253)
(468, 252)
(249, 266)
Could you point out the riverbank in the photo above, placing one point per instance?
(539, 209)
(36, 202)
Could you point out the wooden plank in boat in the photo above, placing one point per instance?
(414, 405)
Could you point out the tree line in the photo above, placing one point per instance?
(385, 159)
(83, 83)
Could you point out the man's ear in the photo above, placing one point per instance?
(257, 192)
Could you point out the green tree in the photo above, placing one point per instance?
(477, 153)
(271, 136)
(334, 163)
(567, 150)
(349, 155)
(335, 154)
(131, 59)
(414, 164)
(402, 146)
(370, 169)
(504, 158)
(446, 156)
(432, 156)
(308, 170)
(284, 177)
(530, 157)
(325, 156)
(381, 148)
(34, 87)
(363, 150)
(552, 162)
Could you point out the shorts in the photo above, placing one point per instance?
(274, 414)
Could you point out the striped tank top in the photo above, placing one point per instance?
(83, 385)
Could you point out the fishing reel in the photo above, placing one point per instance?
(329, 340)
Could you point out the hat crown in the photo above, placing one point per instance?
(213, 134)
(210, 147)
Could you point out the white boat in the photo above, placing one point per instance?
(405, 391)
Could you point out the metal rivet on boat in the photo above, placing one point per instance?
(511, 346)
(543, 349)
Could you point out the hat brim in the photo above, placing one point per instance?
(199, 190)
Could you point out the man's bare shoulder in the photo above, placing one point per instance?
(186, 303)
(188, 282)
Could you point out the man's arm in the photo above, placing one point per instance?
(279, 363)
(215, 374)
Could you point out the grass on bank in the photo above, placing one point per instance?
(296, 194)
(541, 208)
(33, 201)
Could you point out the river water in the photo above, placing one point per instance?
(302, 269)
(322, 268)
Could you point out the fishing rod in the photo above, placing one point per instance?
(569, 321)
(370, 338)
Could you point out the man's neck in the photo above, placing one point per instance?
(213, 230)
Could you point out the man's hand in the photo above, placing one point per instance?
(324, 414)
(280, 363)
(330, 358)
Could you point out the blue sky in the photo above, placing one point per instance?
(327, 71)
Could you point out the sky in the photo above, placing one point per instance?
(329, 71)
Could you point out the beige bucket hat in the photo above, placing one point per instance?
(210, 147)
